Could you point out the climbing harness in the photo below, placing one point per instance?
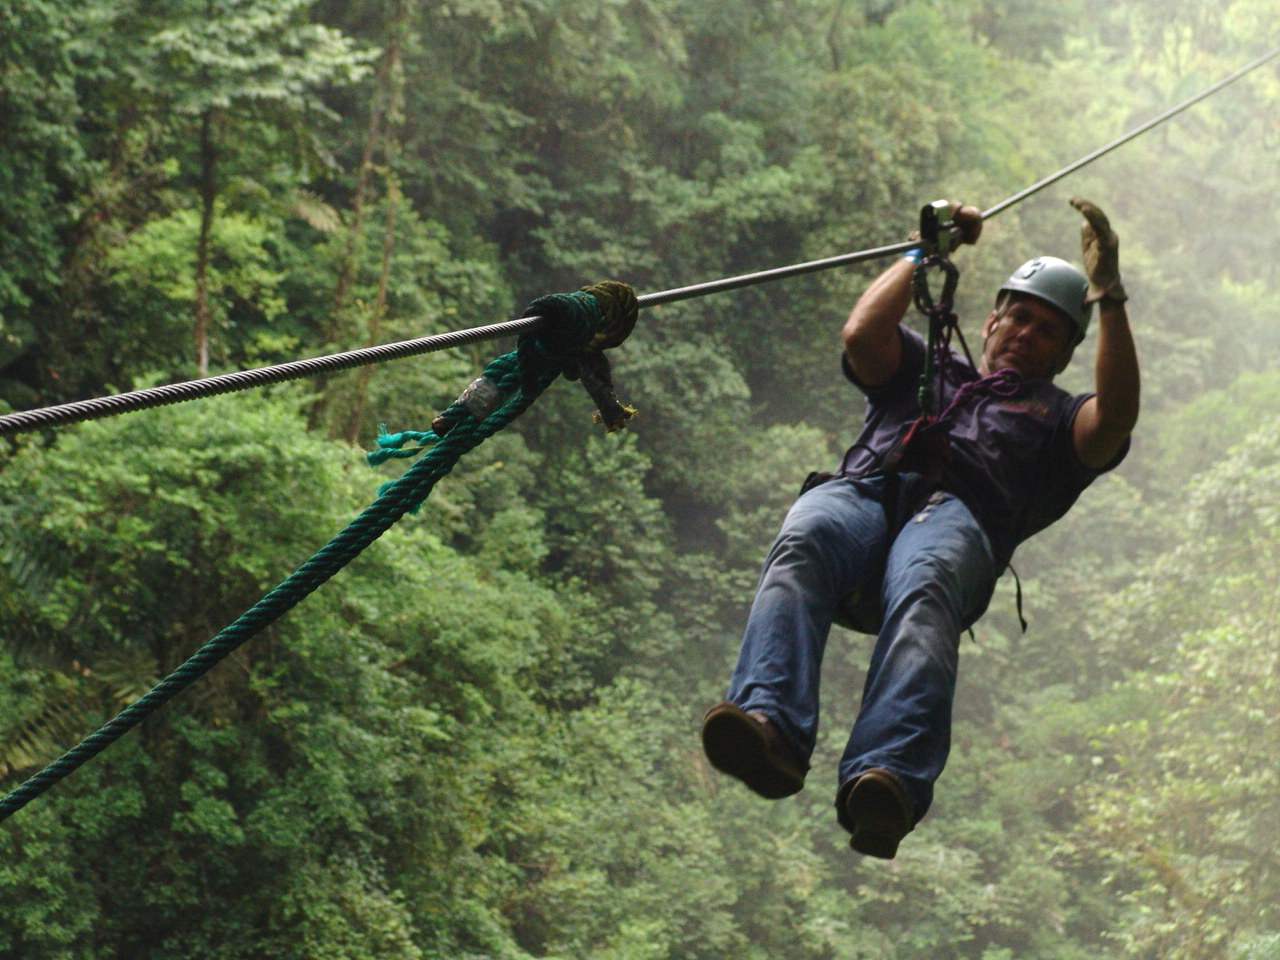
(924, 448)
(562, 334)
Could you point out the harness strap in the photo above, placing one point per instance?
(1017, 583)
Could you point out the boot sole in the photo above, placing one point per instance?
(879, 816)
(736, 744)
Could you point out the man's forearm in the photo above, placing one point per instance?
(870, 335)
(883, 304)
(1116, 377)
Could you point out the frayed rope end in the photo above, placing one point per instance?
(392, 444)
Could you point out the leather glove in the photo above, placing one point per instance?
(967, 221)
(1100, 248)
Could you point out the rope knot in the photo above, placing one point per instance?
(579, 327)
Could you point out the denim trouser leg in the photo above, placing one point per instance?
(835, 538)
(938, 579)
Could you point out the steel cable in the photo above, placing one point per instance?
(1125, 138)
(80, 410)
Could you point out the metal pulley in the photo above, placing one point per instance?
(939, 234)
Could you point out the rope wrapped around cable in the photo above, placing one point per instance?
(575, 329)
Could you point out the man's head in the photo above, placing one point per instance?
(1039, 317)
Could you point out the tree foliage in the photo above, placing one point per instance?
(480, 739)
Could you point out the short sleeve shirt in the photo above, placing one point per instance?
(1013, 458)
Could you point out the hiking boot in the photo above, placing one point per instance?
(748, 746)
(875, 808)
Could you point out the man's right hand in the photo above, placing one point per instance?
(969, 221)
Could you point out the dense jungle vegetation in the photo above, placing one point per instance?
(480, 740)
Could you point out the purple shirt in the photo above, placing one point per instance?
(1013, 459)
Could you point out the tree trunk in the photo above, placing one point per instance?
(379, 307)
(394, 103)
(347, 268)
(347, 271)
(208, 194)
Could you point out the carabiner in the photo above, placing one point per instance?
(942, 320)
(920, 286)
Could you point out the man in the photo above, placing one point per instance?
(913, 537)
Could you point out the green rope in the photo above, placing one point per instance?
(578, 321)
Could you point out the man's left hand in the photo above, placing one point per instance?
(1100, 248)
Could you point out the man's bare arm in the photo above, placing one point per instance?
(871, 340)
(1106, 419)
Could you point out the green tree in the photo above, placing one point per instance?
(235, 74)
(42, 162)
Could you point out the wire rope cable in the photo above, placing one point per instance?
(80, 410)
(1132, 134)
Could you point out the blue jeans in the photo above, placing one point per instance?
(934, 578)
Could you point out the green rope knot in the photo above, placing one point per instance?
(579, 327)
(619, 309)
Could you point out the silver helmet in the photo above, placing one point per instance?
(1059, 284)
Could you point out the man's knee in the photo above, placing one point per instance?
(836, 518)
(943, 565)
(933, 591)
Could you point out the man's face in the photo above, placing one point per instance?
(1029, 336)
